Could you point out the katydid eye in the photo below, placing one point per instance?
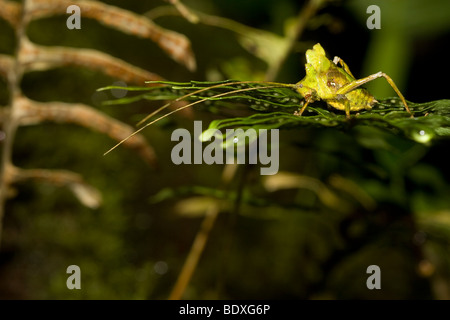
(331, 83)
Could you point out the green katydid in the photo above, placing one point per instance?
(326, 80)
(330, 81)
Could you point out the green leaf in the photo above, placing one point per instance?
(275, 104)
(431, 120)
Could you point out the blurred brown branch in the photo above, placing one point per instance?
(85, 193)
(10, 11)
(28, 57)
(6, 65)
(31, 112)
(34, 57)
(176, 45)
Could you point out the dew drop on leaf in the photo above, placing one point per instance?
(422, 135)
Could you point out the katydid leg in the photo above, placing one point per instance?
(355, 84)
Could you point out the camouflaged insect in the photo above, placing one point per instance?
(333, 82)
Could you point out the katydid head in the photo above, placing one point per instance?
(317, 60)
(316, 65)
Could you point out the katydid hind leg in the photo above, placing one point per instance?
(357, 83)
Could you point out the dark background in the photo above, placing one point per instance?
(132, 248)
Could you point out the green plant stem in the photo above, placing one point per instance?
(306, 13)
(229, 236)
(201, 239)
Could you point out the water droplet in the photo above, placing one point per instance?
(422, 136)
(235, 140)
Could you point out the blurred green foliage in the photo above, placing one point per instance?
(280, 243)
(404, 24)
